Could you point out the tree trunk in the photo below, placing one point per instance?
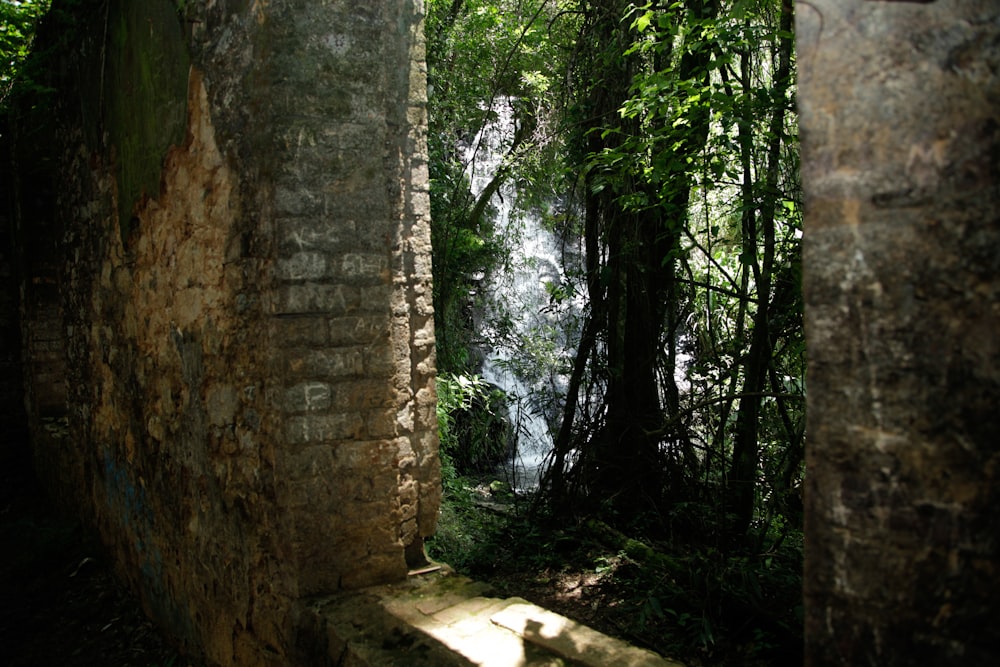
(743, 473)
(900, 118)
(642, 255)
(623, 457)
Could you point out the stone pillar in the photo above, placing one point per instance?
(348, 296)
(900, 121)
(243, 289)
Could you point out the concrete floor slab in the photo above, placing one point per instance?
(444, 619)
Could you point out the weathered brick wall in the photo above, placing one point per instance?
(243, 307)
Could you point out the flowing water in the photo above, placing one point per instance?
(522, 333)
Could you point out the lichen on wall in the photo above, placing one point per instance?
(144, 85)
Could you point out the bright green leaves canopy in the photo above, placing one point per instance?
(18, 19)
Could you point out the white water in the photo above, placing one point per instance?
(520, 291)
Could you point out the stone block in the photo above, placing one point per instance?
(364, 394)
(358, 329)
(313, 298)
(382, 423)
(325, 235)
(308, 397)
(300, 430)
(304, 265)
(323, 363)
(309, 330)
(571, 640)
(364, 268)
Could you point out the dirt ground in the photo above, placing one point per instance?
(59, 601)
(62, 605)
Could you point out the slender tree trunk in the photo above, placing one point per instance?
(743, 473)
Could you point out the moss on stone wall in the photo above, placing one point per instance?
(145, 96)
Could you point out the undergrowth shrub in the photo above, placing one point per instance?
(474, 427)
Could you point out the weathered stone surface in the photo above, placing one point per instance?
(573, 640)
(900, 120)
(230, 316)
(439, 618)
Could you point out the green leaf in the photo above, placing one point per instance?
(641, 23)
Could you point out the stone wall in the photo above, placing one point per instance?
(900, 120)
(236, 293)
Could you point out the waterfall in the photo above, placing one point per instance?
(520, 291)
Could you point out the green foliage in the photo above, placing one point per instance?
(18, 20)
(472, 422)
(703, 147)
(677, 119)
(682, 598)
(714, 603)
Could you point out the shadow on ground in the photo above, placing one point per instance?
(60, 603)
